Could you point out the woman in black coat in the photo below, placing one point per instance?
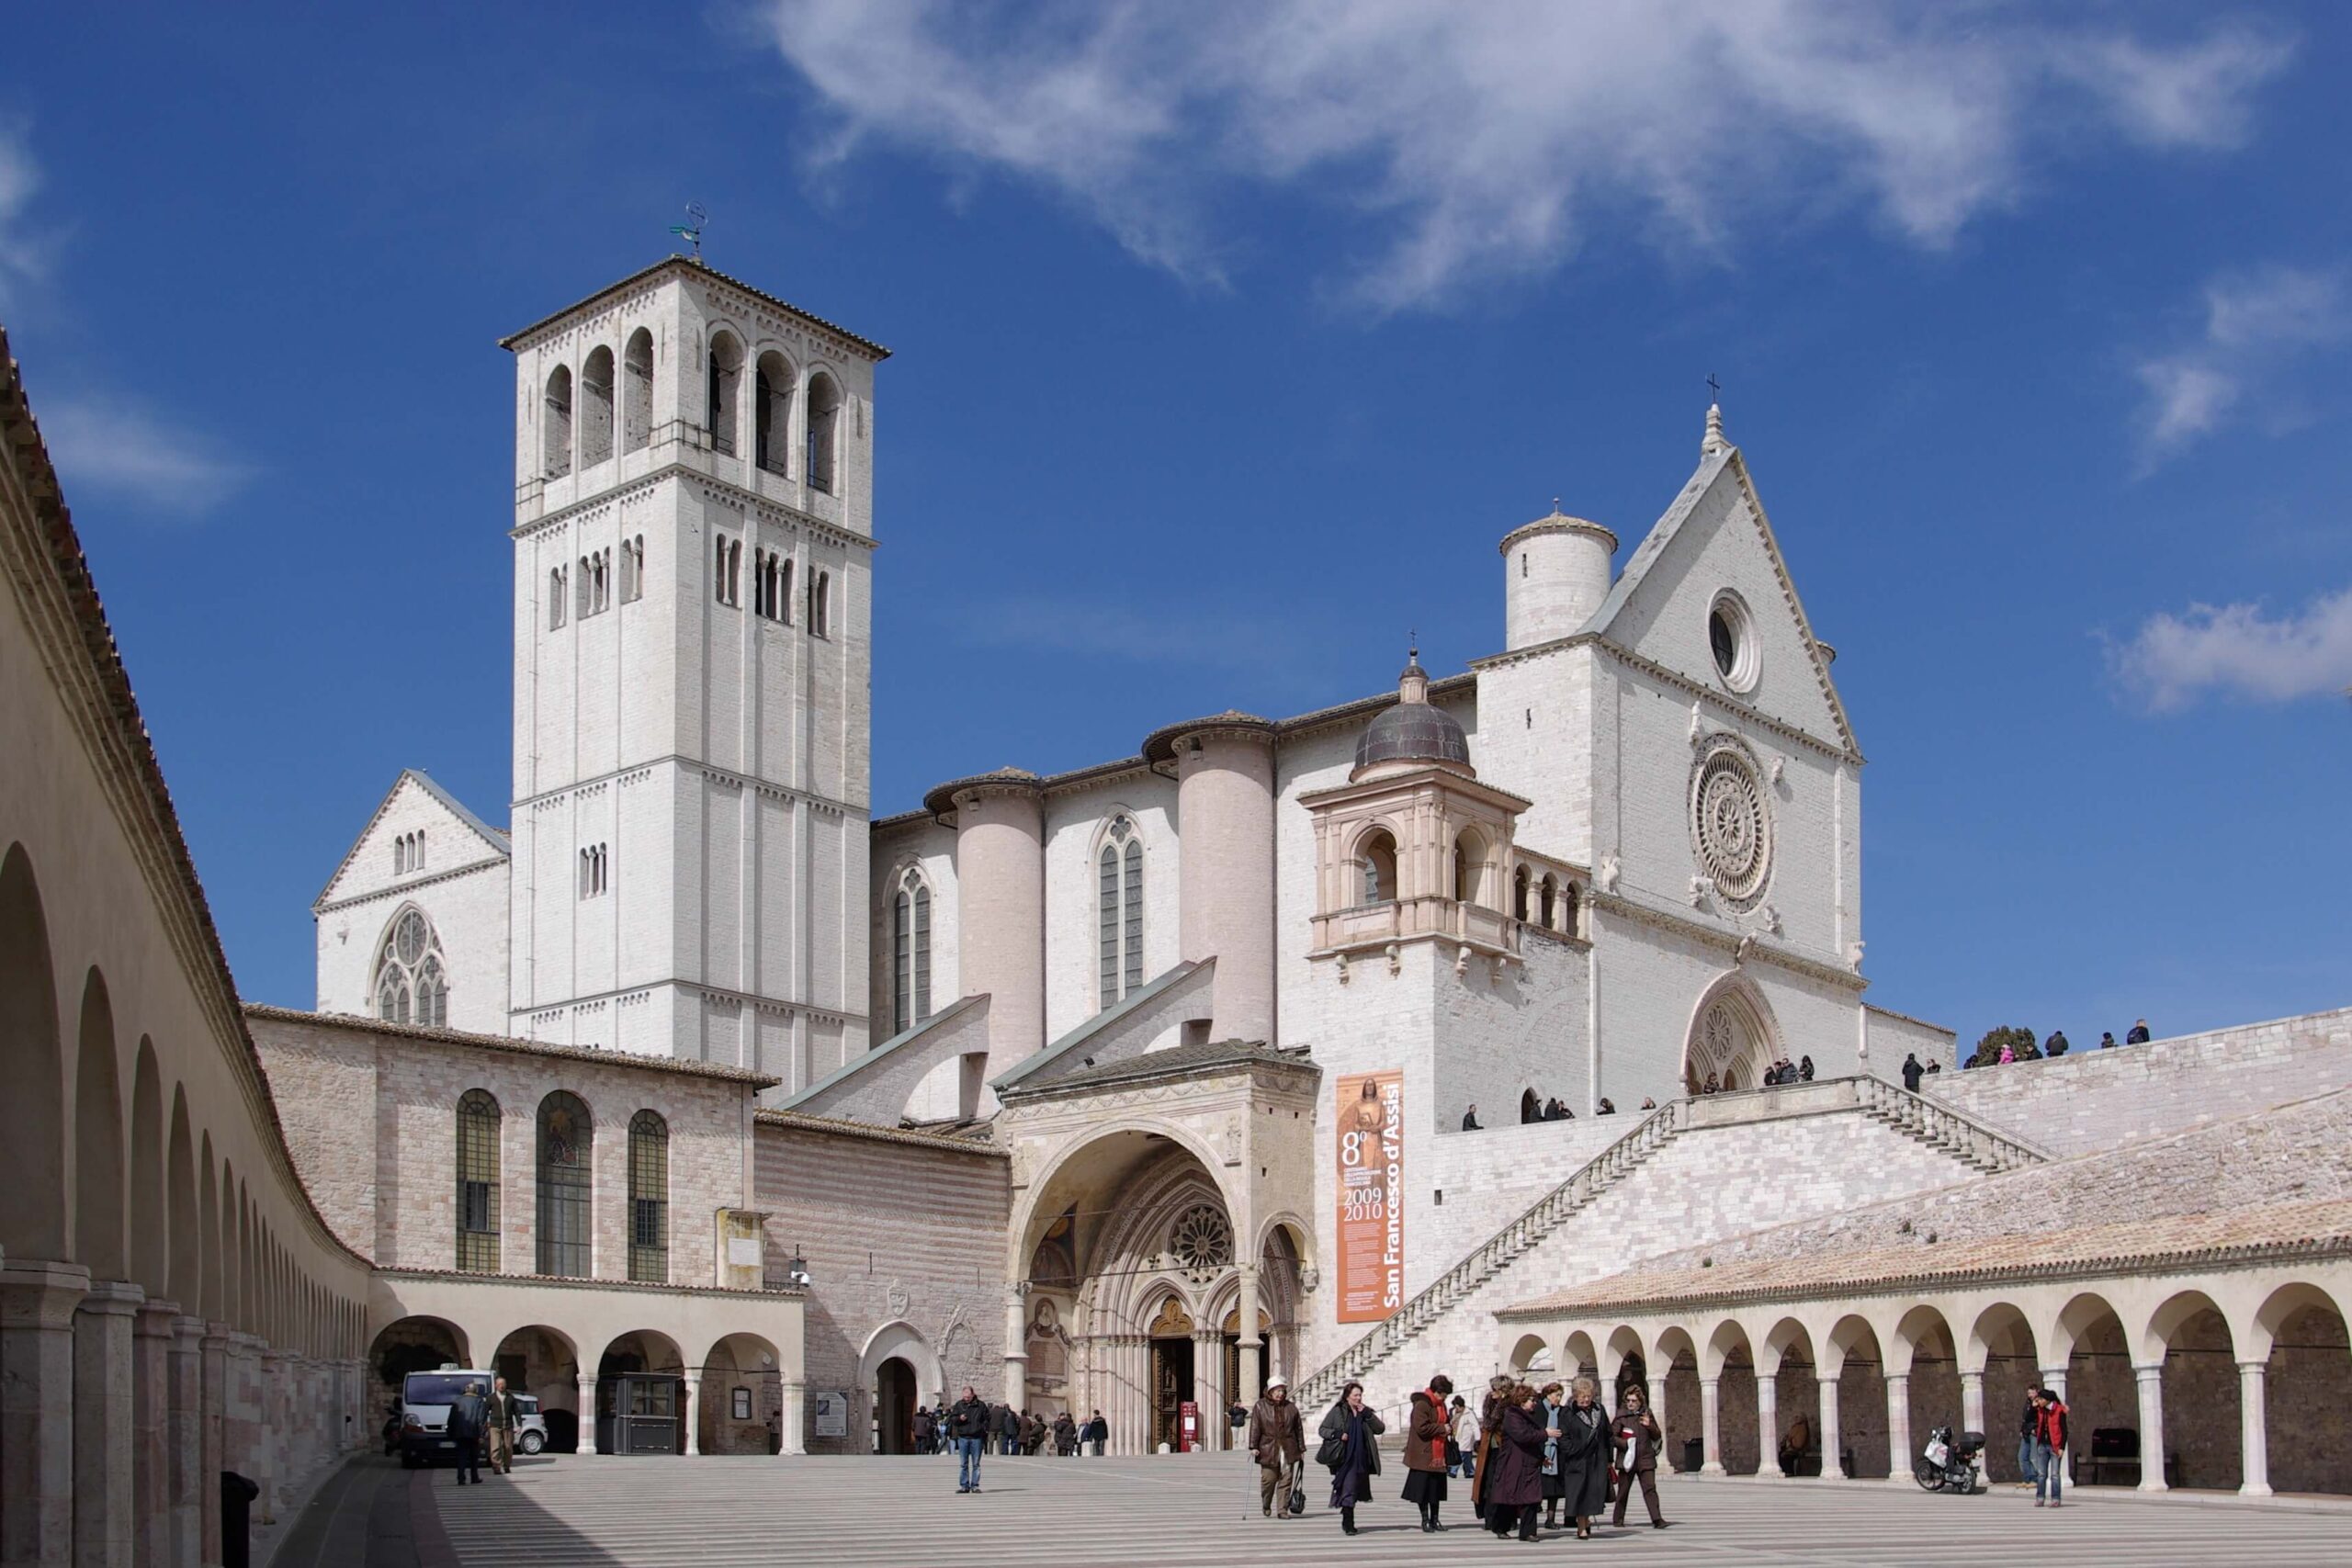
(1355, 1428)
(1584, 1457)
(1515, 1492)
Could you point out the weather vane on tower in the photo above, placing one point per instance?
(691, 229)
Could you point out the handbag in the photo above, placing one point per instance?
(1333, 1453)
(1452, 1454)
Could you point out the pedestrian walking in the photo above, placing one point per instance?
(1426, 1433)
(1584, 1457)
(1490, 1426)
(968, 1422)
(1350, 1450)
(922, 1430)
(468, 1419)
(1097, 1432)
(1008, 1428)
(1277, 1440)
(1462, 1440)
(1515, 1482)
(2049, 1447)
(502, 1428)
(1550, 1401)
(1065, 1435)
(1634, 1440)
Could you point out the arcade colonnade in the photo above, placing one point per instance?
(2240, 1377)
(172, 1305)
(734, 1358)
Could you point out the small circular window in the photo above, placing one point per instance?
(1731, 637)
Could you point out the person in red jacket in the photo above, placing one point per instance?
(2049, 1446)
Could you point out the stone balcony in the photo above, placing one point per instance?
(1406, 919)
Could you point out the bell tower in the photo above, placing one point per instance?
(692, 546)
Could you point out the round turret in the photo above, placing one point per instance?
(1557, 574)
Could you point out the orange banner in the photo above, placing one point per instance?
(1372, 1196)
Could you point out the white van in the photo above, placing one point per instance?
(425, 1398)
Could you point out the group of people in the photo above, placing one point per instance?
(1781, 1071)
(1553, 1110)
(481, 1424)
(999, 1429)
(1913, 1072)
(2001, 1046)
(2041, 1444)
(1535, 1458)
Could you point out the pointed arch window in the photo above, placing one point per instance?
(910, 954)
(824, 415)
(820, 607)
(596, 407)
(1119, 911)
(566, 1150)
(555, 433)
(1518, 895)
(479, 1120)
(1376, 868)
(771, 413)
(649, 1198)
(411, 977)
(725, 364)
(558, 585)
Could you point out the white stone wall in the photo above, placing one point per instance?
(1075, 823)
(1535, 738)
(460, 887)
(2091, 1099)
(1894, 1036)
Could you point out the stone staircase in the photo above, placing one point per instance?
(1969, 1141)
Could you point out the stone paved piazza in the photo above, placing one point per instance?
(841, 1512)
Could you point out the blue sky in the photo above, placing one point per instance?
(1229, 341)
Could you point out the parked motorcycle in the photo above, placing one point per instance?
(1948, 1464)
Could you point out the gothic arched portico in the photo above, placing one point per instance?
(1731, 1035)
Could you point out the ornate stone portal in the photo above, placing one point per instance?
(1159, 1202)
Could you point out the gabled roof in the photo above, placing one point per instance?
(496, 841)
(1713, 467)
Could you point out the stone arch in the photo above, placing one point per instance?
(1673, 1388)
(151, 1231)
(1471, 870)
(2299, 1334)
(1925, 1351)
(820, 464)
(548, 1361)
(1788, 1365)
(1373, 859)
(739, 1396)
(2083, 1312)
(1730, 1357)
(1623, 1348)
(215, 1289)
(32, 1113)
(1094, 1158)
(415, 1344)
(98, 1208)
(1579, 1356)
(899, 1341)
(2000, 1345)
(1732, 1032)
(2192, 1339)
(1852, 1353)
(1531, 1354)
(186, 1280)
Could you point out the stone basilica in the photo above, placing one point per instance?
(726, 1116)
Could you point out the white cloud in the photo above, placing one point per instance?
(2255, 323)
(2240, 650)
(104, 445)
(1489, 139)
(20, 255)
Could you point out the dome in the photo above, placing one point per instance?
(1413, 730)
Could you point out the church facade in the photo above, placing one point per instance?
(1615, 858)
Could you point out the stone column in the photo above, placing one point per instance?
(1900, 1459)
(1710, 1434)
(36, 1302)
(1833, 1465)
(2254, 1429)
(213, 1422)
(184, 1444)
(104, 1448)
(795, 1417)
(2152, 1427)
(1972, 1413)
(1208, 1386)
(1767, 1421)
(152, 1342)
(272, 1371)
(1251, 1384)
(1657, 1405)
(587, 1412)
(692, 1413)
(2054, 1380)
(1016, 1346)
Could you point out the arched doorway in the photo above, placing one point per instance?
(415, 1345)
(1173, 1366)
(543, 1364)
(640, 1393)
(894, 1407)
(1733, 1036)
(740, 1398)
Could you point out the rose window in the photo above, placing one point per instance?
(1201, 1242)
(1729, 826)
